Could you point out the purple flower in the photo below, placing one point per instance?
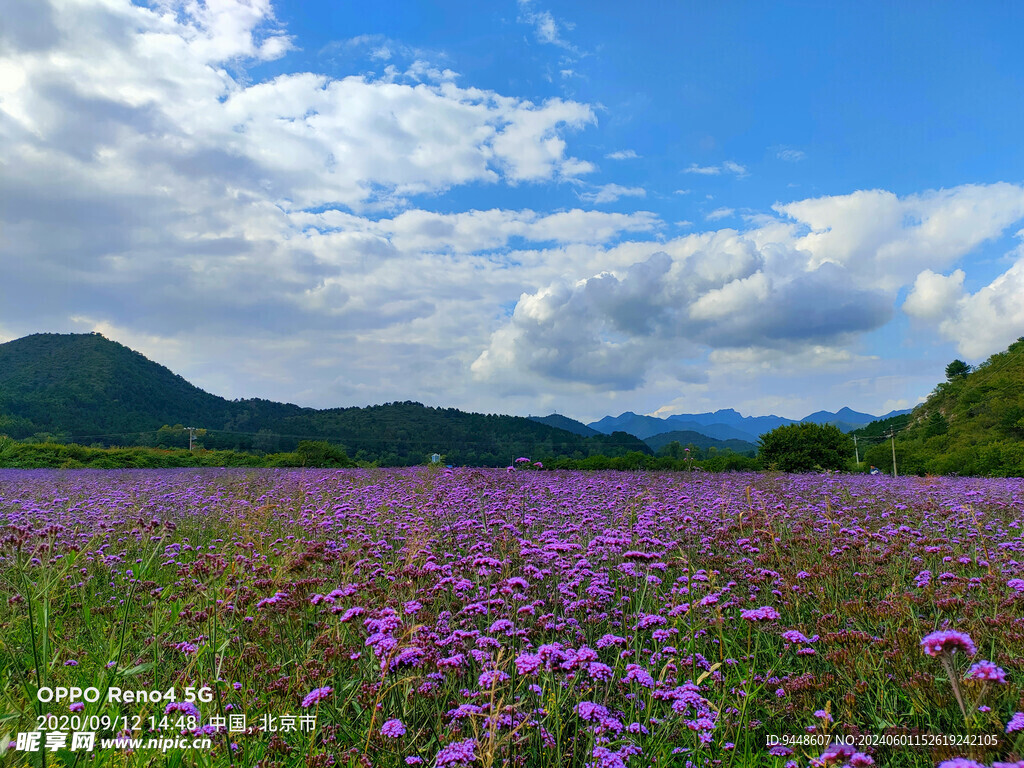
(77, 706)
(960, 762)
(948, 641)
(492, 677)
(351, 613)
(588, 710)
(764, 613)
(528, 663)
(795, 637)
(70, 663)
(316, 695)
(1017, 585)
(1016, 723)
(836, 751)
(986, 670)
(413, 760)
(182, 706)
(636, 673)
(459, 753)
(393, 729)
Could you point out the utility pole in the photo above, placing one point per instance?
(191, 436)
(856, 452)
(892, 438)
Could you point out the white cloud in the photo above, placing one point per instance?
(720, 213)
(705, 170)
(623, 154)
(934, 296)
(980, 323)
(545, 27)
(735, 168)
(886, 241)
(728, 166)
(609, 193)
(472, 231)
(774, 288)
(160, 95)
(790, 155)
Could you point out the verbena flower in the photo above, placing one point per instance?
(393, 729)
(1016, 723)
(986, 670)
(764, 613)
(316, 695)
(491, 678)
(187, 707)
(460, 753)
(948, 641)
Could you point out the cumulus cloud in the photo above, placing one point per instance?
(815, 279)
(934, 296)
(980, 323)
(887, 241)
(160, 95)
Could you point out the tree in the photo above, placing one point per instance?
(806, 447)
(936, 424)
(320, 453)
(957, 369)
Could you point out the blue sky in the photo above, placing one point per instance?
(520, 207)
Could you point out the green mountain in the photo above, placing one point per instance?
(87, 389)
(696, 439)
(564, 422)
(971, 424)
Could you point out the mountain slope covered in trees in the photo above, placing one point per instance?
(971, 424)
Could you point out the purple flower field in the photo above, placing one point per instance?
(518, 618)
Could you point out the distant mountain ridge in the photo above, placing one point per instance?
(86, 388)
(688, 437)
(727, 423)
(564, 422)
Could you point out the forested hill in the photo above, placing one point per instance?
(85, 388)
(971, 424)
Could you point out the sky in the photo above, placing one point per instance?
(521, 206)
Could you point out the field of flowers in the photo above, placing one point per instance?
(481, 618)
